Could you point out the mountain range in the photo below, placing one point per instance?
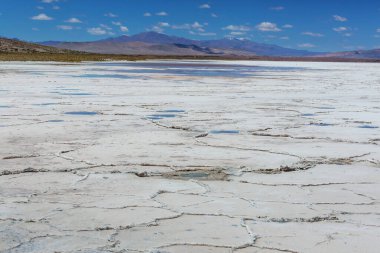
(154, 43)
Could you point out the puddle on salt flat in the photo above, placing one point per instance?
(169, 113)
(198, 69)
(55, 121)
(368, 126)
(83, 113)
(161, 116)
(224, 132)
(321, 124)
(5, 106)
(308, 114)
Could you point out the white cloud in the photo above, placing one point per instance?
(378, 30)
(313, 34)
(284, 38)
(214, 15)
(205, 6)
(73, 20)
(105, 27)
(238, 33)
(277, 8)
(163, 24)
(340, 18)
(147, 14)
(42, 17)
(157, 29)
(162, 13)
(97, 31)
(40, 7)
(241, 28)
(116, 23)
(35, 29)
(340, 29)
(306, 45)
(55, 7)
(124, 28)
(268, 27)
(194, 26)
(110, 15)
(207, 34)
(287, 26)
(64, 27)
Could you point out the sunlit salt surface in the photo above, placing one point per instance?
(189, 156)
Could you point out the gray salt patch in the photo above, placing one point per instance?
(308, 115)
(81, 113)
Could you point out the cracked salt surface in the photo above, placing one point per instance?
(301, 173)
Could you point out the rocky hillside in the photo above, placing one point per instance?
(17, 46)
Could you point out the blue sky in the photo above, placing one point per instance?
(318, 25)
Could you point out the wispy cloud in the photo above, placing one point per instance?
(306, 45)
(214, 15)
(98, 31)
(49, 1)
(313, 34)
(287, 26)
(194, 26)
(147, 14)
(205, 6)
(277, 8)
(241, 28)
(124, 28)
(268, 27)
(341, 29)
(162, 13)
(42, 17)
(110, 15)
(73, 20)
(340, 18)
(65, 27)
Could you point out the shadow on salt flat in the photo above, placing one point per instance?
(5, 106)
(321, 124)
(308, 114)
(46, 104)
(55, 121)
(82, 113)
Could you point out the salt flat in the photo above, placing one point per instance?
(189, 156)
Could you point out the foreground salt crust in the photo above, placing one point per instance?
(282, 161)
